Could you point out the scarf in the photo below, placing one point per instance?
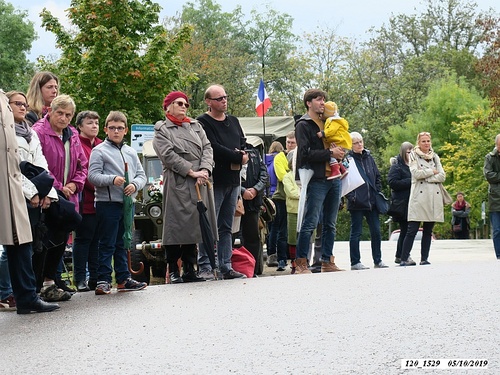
(176, 121)
(427, 156)
(459, 206)
(23, 130)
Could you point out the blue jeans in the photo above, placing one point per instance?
(495, 226)
(85, 249)
(373, 222)
(5, 286)
(111, 247)
(225, 206)
(21, 272)
(322, 196)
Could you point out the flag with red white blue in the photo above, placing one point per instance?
(263, 103)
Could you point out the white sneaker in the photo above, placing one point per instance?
(381, 265)
(359, 266)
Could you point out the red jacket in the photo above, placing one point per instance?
(87, 201)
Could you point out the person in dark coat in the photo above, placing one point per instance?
(399, 179)
(361, 202)
(253, 184)
(460, 210)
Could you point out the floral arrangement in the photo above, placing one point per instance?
(155, 190)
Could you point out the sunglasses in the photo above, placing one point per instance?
(20, 104)
(424, 133)
(116, 129)
(220, 98)
(182, 104)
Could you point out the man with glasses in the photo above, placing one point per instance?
(228, 142)
(323, 195)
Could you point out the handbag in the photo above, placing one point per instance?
(243, 261)
(240, 208)
(382, 203)
(268, 209)
(353, 179)
(447, 199)
(398, 209)
(457, 228)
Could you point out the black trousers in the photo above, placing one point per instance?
(187, 253)
(250, 232)
(425, 244)
(403, 229)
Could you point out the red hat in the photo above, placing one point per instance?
(172, 96)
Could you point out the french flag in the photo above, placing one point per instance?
(263, 103)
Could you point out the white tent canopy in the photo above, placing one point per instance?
(276, 126)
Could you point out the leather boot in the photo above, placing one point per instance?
(189, 274)
(330, 266)
(301, 266)
(174, 274)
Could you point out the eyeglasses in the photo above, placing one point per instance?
(182, 104)
(116, 129)
(20, 104)
(220, 98)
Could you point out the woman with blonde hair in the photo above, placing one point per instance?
(44, 87)
(426, 198)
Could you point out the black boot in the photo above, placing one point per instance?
(61, 284)
(189, 274)
(174, 274)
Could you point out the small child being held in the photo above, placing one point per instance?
(336, 131)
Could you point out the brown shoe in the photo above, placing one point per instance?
(301, 266)
(330, 266)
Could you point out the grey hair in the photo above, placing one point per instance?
(355, 136)
(497, 138)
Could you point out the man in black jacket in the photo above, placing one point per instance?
(322, 195)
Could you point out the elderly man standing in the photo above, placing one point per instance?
(228, 142)
(13, 233)
(323, 195)
(491, 172)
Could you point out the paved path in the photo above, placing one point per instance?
(353, 322)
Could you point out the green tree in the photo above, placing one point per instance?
(17, 34)
(463, 159)
(272, 45)
(448, 99)
(215, 54)
(119, 58)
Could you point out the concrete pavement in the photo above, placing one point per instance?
(353, 322)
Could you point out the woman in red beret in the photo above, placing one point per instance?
(187, 157)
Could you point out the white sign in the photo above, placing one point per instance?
(140, 134)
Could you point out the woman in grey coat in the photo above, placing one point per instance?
(187, 158)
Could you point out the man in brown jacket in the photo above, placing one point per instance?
(15, 232)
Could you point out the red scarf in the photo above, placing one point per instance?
(176, 121)
(459, 206)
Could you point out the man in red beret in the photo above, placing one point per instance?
(228, 142)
